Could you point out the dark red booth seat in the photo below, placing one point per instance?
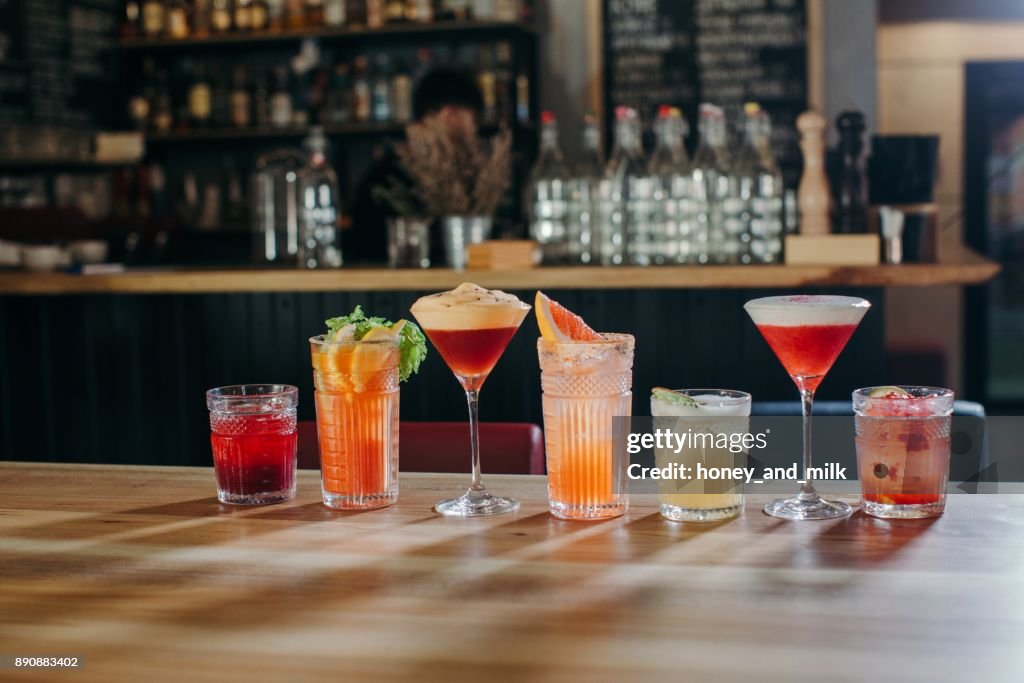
(506, 447)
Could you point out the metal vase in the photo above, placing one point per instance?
(459, 233)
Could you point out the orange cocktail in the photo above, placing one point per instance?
(587, 381)
(357, 419)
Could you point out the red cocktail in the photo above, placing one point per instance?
(471, 354)
(254, 441)
(903, 448)
(470, 327)
(807, 334)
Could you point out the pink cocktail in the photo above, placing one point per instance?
(807, 334)
(903, 447)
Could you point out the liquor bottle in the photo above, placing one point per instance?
(709, 173)
(584, 190)
(154, 18)
(670, 171)
(220, 97)
(235, 213)
(261, 101)
(163, 115)
(767, 199)
(506, 10)
(334, 13)
(200, 97)
(211, 207)
(504, 83)
(419, 10)
(294, 15)
(275, 15)
(375, 12)
(625, 198)
(315, 13)
(241, 100)
(339, 99)
(361, 91)
(401, 95)
(300, 98)
(319, 244)
(177, 19)
(260, 18)
(130, 21)
(395, 11)
(355, 13)
(487, 82)
(380, 90)
(740, 202)
(220, 15)
(281, 108)
(522, 98)
(455, 10)
(548, 195)
(851, 200)
(243, 15)
(142, 103)
(201, 18)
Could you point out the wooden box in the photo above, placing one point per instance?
(833, 250)
(502, 255)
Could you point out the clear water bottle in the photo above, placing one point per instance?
(671, 181)
(584, 193)
(626, 197)
(767, 204)
(548, 199)
(709, 183)
(740, 190)
(276, 201)
(320, 211)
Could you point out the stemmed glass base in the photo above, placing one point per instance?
(476, 504)
(806, 506)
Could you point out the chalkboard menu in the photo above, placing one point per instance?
(727, 52)
(57, 61)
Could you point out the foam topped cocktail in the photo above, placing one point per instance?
(470, 327)
(703, 412)
(807, 334)
(903, 449)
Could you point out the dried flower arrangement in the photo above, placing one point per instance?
(454, 172)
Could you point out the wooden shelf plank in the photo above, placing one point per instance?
(387, 32)
(962, 268)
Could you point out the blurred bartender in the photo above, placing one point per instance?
(444, 92)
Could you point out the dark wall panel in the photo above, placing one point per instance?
(121, 379)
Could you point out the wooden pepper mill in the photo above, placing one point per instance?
(813, 194)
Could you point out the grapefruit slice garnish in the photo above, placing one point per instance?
(557, 323)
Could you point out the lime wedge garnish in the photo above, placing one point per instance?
(673, 397)
(894, 392)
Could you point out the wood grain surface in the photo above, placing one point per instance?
(963, 267)
(143, 574)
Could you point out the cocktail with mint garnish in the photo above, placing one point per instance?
(357, 367)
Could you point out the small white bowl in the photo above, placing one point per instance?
(10, 254)
(89, 251)
(41, 259)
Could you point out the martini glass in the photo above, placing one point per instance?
(807, 334)
(470, 327)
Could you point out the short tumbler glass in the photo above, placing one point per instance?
(902, 440)
(710, 412)
(254, 440)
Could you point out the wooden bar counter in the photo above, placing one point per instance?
(963, 267)
(140, 572)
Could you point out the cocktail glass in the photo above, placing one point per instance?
(807, 334)
(254, 440)
(586, 385)
(470, 327)
(356, 396)
(708, 412)
(903, 449)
